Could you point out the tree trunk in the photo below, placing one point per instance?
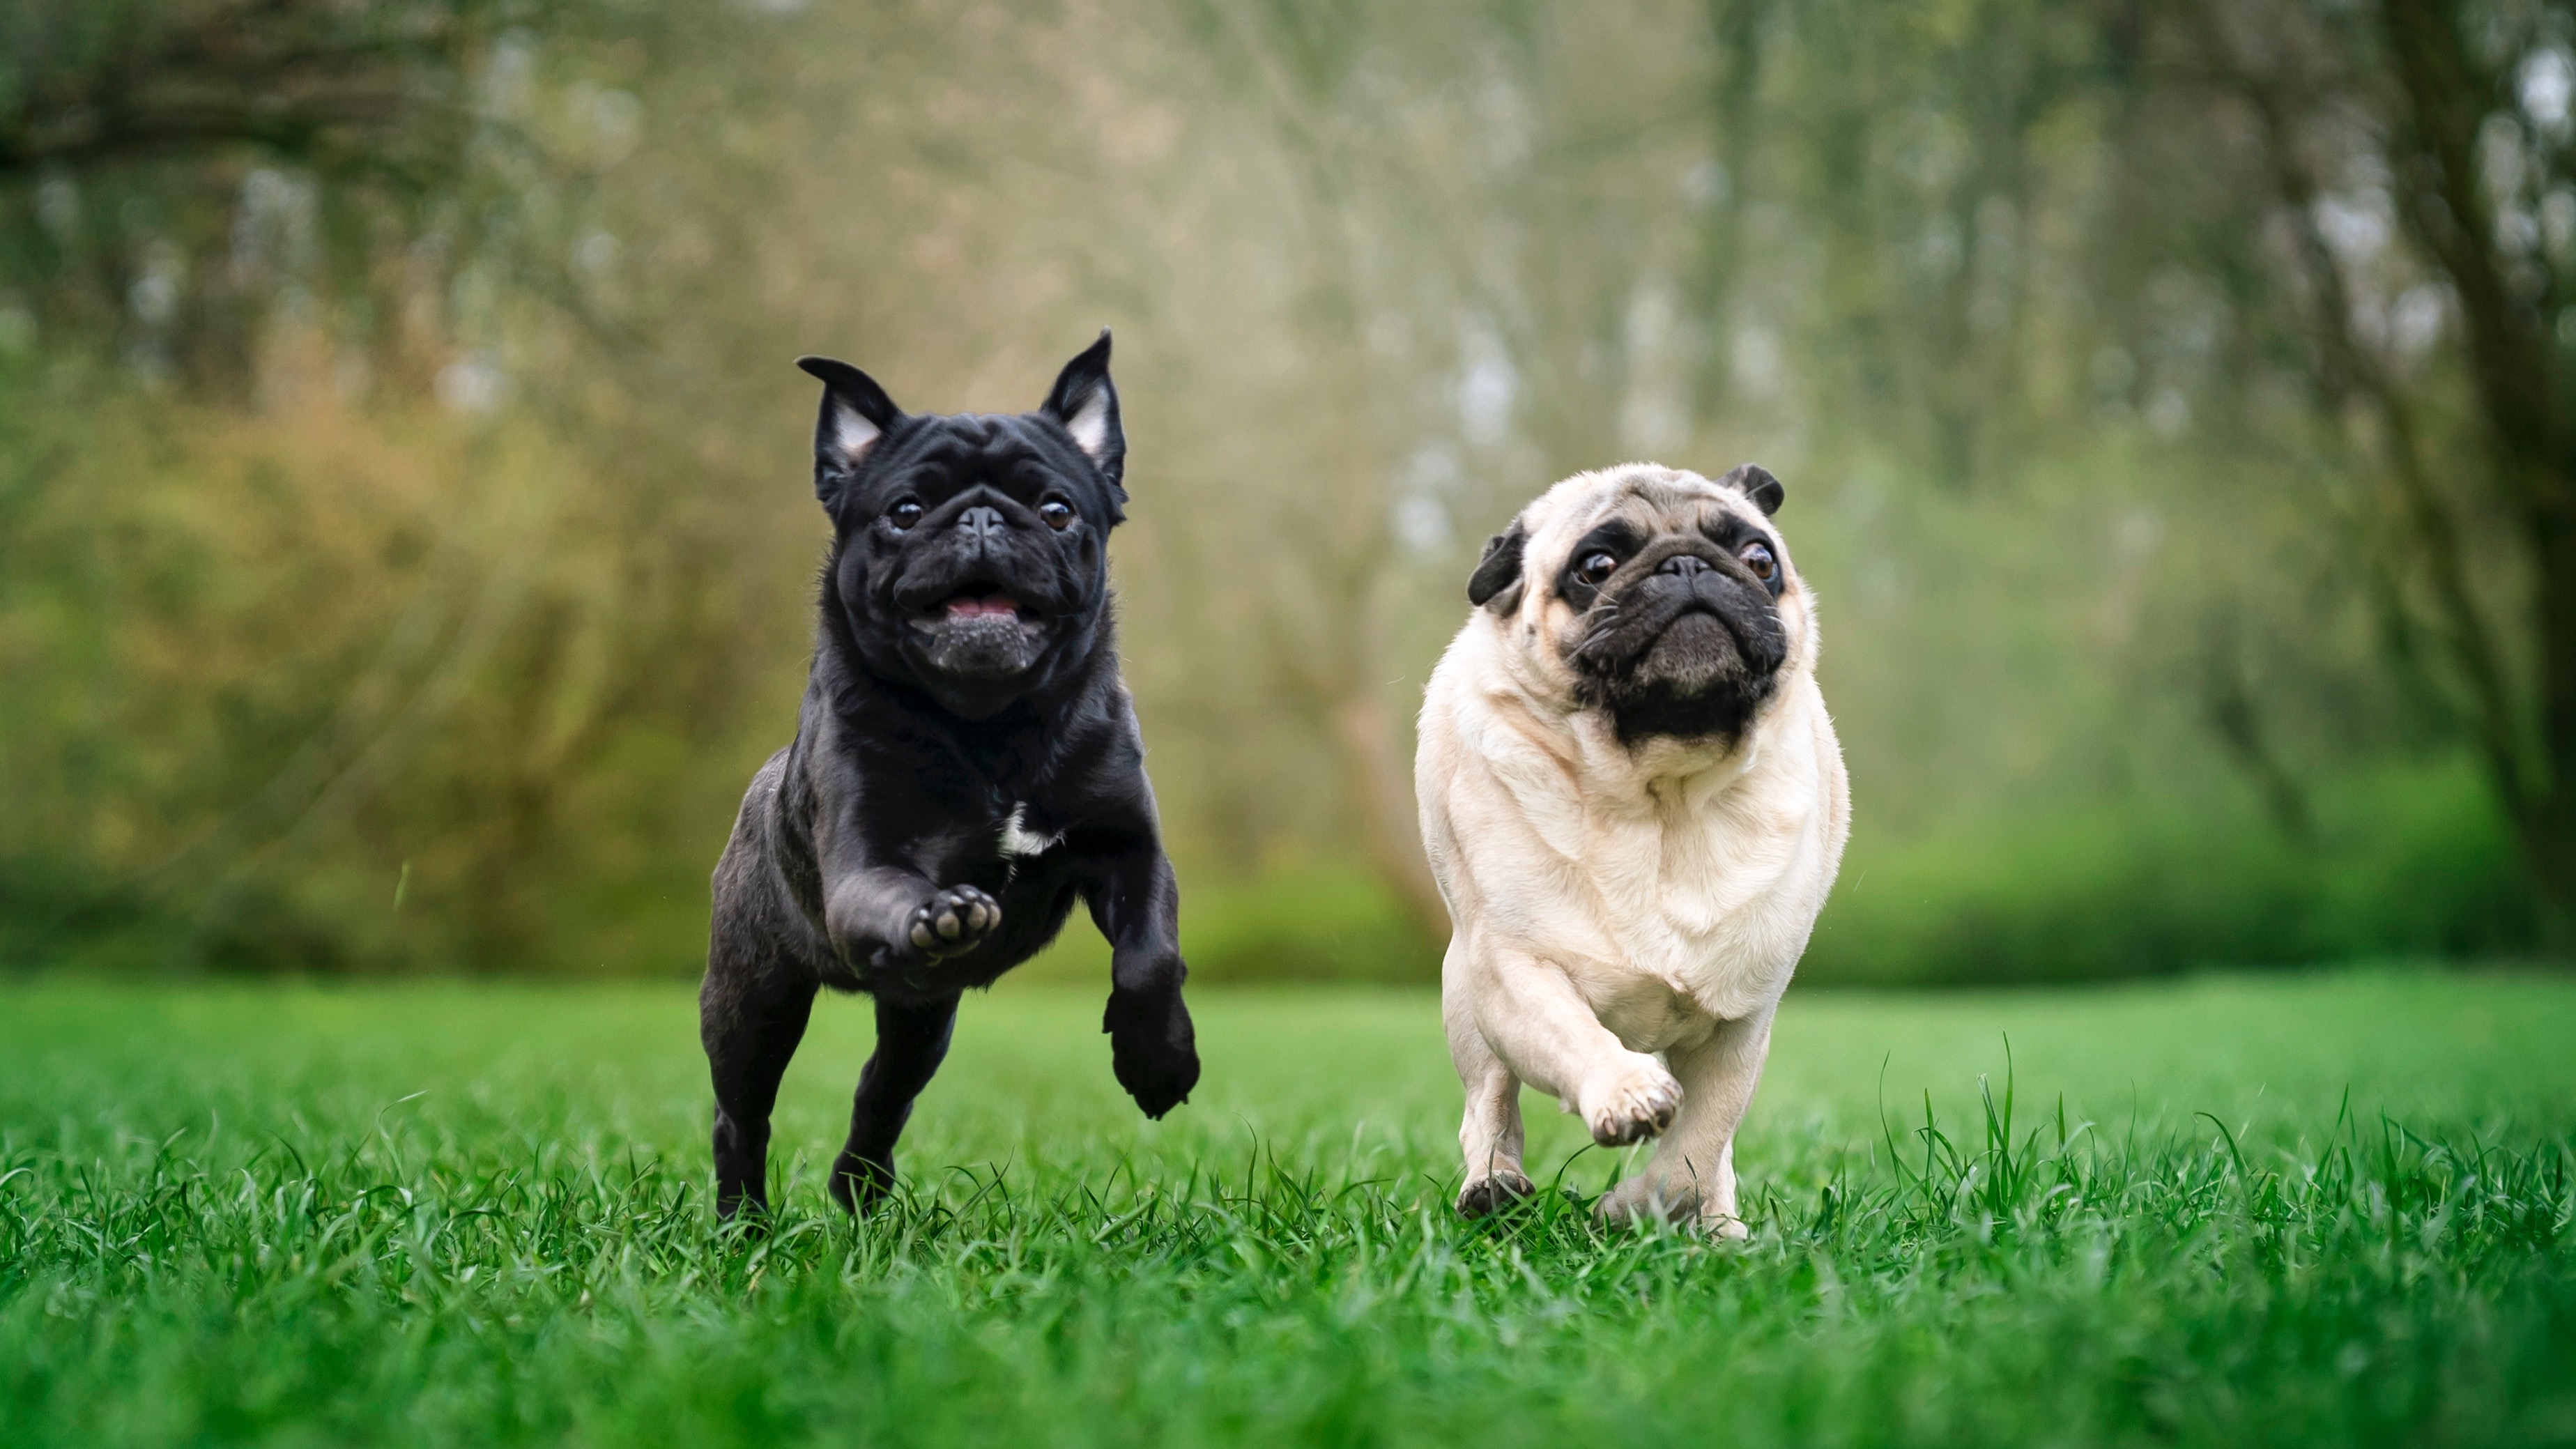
(2515, 370)
(2548, 827)
(2433, 98)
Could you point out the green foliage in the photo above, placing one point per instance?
(432, 1215)
(403, 481)
(399, 726)
(1307, 925)
(2406, 861)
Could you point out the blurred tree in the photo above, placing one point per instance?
(2444, 340)
(1327, 611)
(1480, 309)
(318, 218)
(372, 90)
(1999, 224)
(402, 479)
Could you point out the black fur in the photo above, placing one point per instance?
(868, 855)
(1758, 487)
(1497, 579)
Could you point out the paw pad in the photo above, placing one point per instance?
(953, 922)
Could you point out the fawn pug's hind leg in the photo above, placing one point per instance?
(1692, 1176)
(1490, 1133)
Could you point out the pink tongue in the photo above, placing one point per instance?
(962, 607)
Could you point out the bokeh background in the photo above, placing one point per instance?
(407, 548)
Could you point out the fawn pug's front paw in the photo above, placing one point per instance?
(1630, 1102)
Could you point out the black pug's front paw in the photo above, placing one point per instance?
(951, 923)
(1153, 1049)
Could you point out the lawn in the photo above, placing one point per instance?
(468, 1214)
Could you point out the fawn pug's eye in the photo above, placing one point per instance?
(1596, 568)
(1757, 557)
(905, 513)
(1057, 513)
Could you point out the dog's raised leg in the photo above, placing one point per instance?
(912, 1040)
(1490, 1133)
(1545, 1032)
(1153, 1046)
(750, 1024)
(1692, 1175)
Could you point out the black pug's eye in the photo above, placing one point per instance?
(905, 513)
(1057, 513)
(1757, 557)
(1596, 568)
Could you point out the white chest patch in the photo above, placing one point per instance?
(1019, 840)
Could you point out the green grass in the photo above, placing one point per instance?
(448, 1214)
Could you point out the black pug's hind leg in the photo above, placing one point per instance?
(912, 1040)
(750, 1030)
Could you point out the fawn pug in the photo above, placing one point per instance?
(1635, 805)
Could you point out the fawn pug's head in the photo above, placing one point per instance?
(1665, 599)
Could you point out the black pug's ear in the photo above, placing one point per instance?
(1757, 485)
(1497, 579)
(856, 413)
(1086, 402)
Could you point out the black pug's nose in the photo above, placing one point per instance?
(983, 527)
(1684, 566)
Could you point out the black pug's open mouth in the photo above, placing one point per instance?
(980, 632)
(971, 605)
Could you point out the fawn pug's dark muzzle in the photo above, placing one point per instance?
(1683, 639)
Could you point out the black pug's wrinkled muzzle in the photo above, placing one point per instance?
(1682, 640)
(981, 590)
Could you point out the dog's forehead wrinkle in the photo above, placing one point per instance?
(1632, 518)
(1643, 493)
(1014, 456)
(1674, 493)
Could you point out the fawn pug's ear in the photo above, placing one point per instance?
(856, 413)
(1085, 401)
(1497, 579)
(1757, 485)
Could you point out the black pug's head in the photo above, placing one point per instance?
(969, 554)
(1658, 596)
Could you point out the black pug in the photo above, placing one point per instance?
(966, 761)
